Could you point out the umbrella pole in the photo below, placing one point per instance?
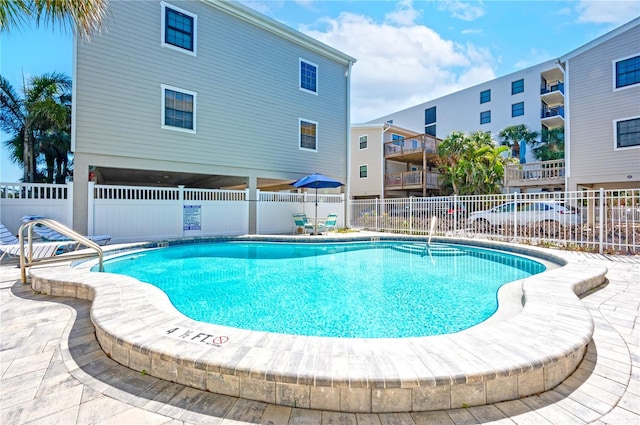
(316, 229)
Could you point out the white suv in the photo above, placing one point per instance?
(545, 218)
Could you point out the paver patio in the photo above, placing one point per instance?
(53, 371)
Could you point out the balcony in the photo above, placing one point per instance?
(553, 94)
(411, 180)
(535, 174)
(552, 116)
(412, 149)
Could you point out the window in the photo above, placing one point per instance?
(430, 130)
(178, 29)
(397, 139)
(485, 96)
(308, 76)
(430, 121)
(308, 135)
(178, 109)
(363, 142)
(517, 109)
(430, 116)
(627, 133)
(517, 86)
(485, 117)
(363, 171)
(628, 72)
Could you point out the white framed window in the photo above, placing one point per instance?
(179, 29)
(178, 109)
(626, 133)
(363, 171)
(308, 76)
(626, 72)
(363, 141)
(308, 135)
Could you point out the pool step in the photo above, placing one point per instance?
(433, 249)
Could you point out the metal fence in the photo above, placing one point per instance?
(604, 221)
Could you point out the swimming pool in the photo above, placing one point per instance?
(528, 349)
(355, 290)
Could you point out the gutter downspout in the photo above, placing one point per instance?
(567, 126)
(347, 195)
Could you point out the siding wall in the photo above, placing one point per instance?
(248, 98)
(371, 157)
(593, 107)
(248, 101)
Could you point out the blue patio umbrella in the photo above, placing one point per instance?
(523, 152)
(317, 181)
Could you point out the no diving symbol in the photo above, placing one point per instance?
(195, 336)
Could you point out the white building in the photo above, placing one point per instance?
(207, 95)
(577, 92)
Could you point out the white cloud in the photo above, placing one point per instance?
(400, 65)
(607, 12)
(465, 10)
(404, 15)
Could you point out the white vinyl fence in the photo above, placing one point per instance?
(605, 221)
(50, 200)
(136, 213)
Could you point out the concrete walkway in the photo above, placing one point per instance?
(53, 372)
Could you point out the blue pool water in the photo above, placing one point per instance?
(367, 290)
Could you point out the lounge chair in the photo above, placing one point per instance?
(48, 234)
(10, 245)
(331, 222)
(302, 223)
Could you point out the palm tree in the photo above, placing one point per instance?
(513, 135)
(40, 121)
(84, 16)
(471, 163)
(551, 147)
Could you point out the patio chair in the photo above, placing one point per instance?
(10, 245)
(331, 222)
(48, 234)
(302, 223)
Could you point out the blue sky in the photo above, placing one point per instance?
(408, 51)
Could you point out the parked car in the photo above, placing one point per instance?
(441, 206)
(545, 218)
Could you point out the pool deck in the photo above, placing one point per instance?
(53, 371)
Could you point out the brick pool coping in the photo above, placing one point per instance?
(525, 353)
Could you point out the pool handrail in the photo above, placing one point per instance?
(27, 259)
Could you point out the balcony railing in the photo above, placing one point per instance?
(411, 145)
(550, 88)
(411, 180)
(555, 111)
(544, 173)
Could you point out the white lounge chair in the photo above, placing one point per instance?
(302, 223)
(48, 234)
(10, 245)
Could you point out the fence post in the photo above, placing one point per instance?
(181, 206)
(248, 203)
(411, 215)
(91, 204)
(455, 213)
(69, 204)
(601, 222)
(515, 216)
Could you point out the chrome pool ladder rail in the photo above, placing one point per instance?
(27, 260)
